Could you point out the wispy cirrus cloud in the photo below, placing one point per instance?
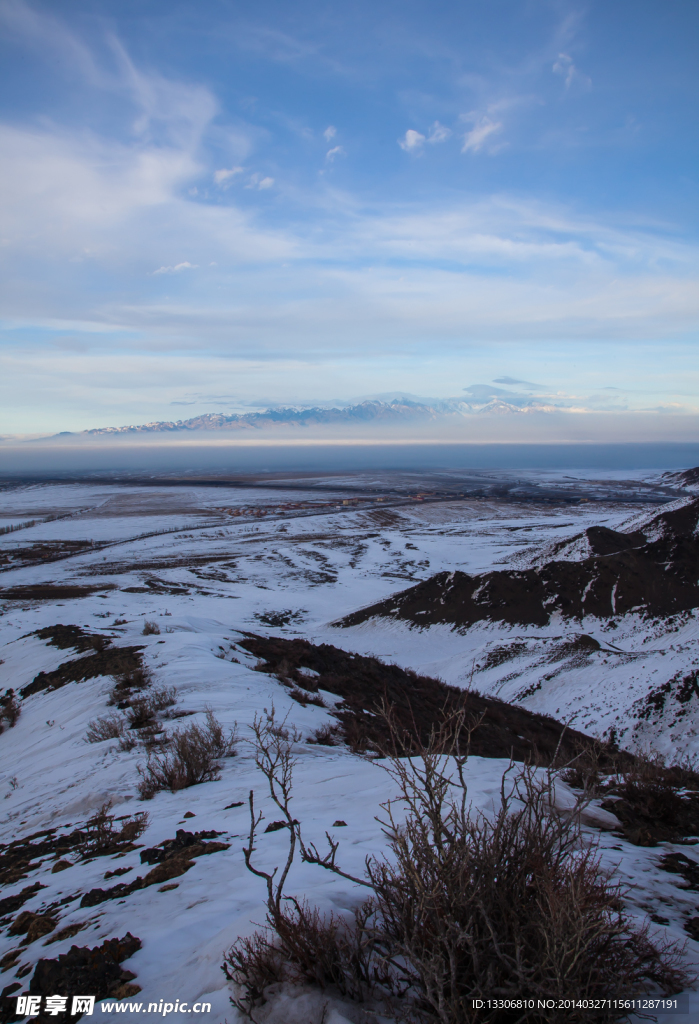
(573, 78)
(483, 129)
(176, 269)
(225, 175)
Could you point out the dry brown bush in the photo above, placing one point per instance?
(516, 904)
(103, 836)
(193, 757)
(326, 735)
(302, 946)
(150, 628)
(110, 727)
(462, 906)
(125, 685)
(142, 710)
(10, 710)
(306, 697)
(654, 801)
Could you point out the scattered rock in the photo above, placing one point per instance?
(66, 933)
(678, 864)
(82, 970)
(182, 841)
(32, 925)
(12, 903)
(339, 824)
(117, 871)
(171, 858)
(61, 865)
(188, 814)
(10, 959)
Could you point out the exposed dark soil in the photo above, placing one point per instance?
(113, 661)
(66, 637)
(418, 703)
(50, 592)
(626, 572)
(172, 858)
(156, 586)
(46, 551)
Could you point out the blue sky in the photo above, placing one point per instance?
(215, 206)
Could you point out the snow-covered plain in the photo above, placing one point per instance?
(187, 559)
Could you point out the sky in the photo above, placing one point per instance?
(223, 206)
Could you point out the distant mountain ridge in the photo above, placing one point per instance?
(650, 568)
(395, 411)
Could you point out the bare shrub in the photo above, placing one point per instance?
(303, 946)
(110, 727)
(462, 906)
(153, 736)
(121, 693)
(150, 628)
(305, 697)
(193, 757)
(515, 904)
(102, 836)
(10, 710)
(142, 710)
(127, 743)
(654, 801)
(326, 736)
(254, 963)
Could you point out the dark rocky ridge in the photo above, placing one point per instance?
(419, 704)
(653, 570)
(689, 478)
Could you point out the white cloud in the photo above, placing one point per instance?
(335, 151)
(438, 133)
(176, 269)
(257, 181)
(482, 129)
(564, 66)
(329, 133)
(412, 142)
(225, 174)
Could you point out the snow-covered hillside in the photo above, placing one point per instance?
(207, 567)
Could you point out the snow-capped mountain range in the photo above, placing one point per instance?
(373, 411)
